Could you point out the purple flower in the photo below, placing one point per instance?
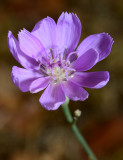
(51, 60)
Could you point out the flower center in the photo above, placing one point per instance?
(57, 68)
(59, 74)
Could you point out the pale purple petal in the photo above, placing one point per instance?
(102, 43)
(91, 79)
(30, 45)
(85, 61)
(23, 59)
(68, 31)
(23, 78)
(45, 31)
(52, 97)
(39, 84)
(74, 91)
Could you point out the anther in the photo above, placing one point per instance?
(51, 52)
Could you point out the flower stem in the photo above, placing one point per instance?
(76, 131)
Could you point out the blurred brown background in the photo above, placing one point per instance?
(27, 131)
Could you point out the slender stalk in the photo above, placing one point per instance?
(76, 131)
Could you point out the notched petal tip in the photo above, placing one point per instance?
(111, 39)
(22, 32)
(29, 44)
(108, 42)
(69, 15)
(101, 42)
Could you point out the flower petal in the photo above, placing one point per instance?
(45, 31)
(68, 31)
(102, 43)
(23, 59)
(39, 84)
(91, 79)
(74, 92)
(86, 61)
(23, 78)
(30, 45)
(52, 97)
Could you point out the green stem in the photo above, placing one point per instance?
(76, 131)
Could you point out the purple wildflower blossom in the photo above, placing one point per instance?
(51, 60)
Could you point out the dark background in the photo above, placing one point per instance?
(27, 131)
